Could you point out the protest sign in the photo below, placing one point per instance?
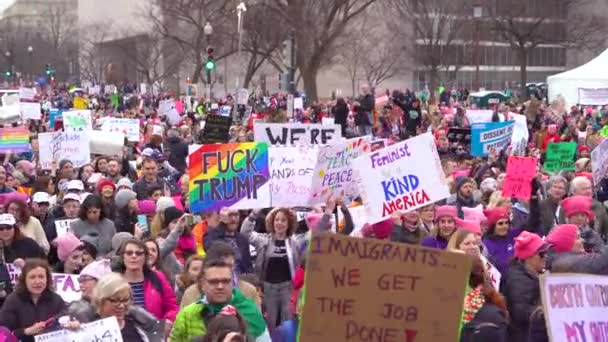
(328, 121)
(94, 90)
(518, 180)
(229, 175)
(492, 271)
(80, 103)
(10, 99)
(106, 329)
(77, 121)
(298, 103)
(291, 170)
(27, 94)
(106, 143)
(10, 114)
(56, 146)
(489, 135)
(574, 306)
(165, 106)
(400, 177)
(217, 129)
(599, 161)
(63, 226)
(66, 285)
(359, 216)
(30, 110)
(225, 110)
(592, 97)
(295, 134)
(14, 140)
(333, 173)
(242, 96)
(520, 128)
(560, 157)
(459, 135)
(129, 127)
(479, 115)
(357, 288)
(377, 145)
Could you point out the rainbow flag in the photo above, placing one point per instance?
(232, 175)
(14, 140)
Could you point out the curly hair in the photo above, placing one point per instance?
(292, 220)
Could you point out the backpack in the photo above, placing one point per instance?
(485, 326)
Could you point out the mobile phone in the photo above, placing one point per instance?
(142, 220)
(189, 220)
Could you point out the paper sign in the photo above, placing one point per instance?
(102, 330)
(518, 180)
(479, 115)
(217, 129)
(599, 161)
(54, 114)
(520, 128)
(30, 110)
(560, 157)
(229, 175)
(14, 140)
(359, 216)
(77, 121)
(493, 272)
(574, 306)
(459, 135)
(10, 100)
(106, 143)
(356, 287)
(129, 127)
(592, 97)
(27, 93)
(328, 121)
(60, 145)
(485, 136)
(10, 114)
(242, 96)
(297, 134)
(291, 170)
(400, 177)
(80, 103)
(63, 226)
(333, 172)
(298, 103)
(165, 106)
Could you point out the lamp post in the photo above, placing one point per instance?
(208, 31)
(30, 53)
(477, 14)
(9, 71)
(240, 14)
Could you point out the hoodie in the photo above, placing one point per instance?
(178, 152)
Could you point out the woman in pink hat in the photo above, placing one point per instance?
(567, 253)
(577, 210)
(443, 229)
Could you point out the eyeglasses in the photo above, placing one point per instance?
(119, 301)
(136, 253)
(82, 279)
(217, 282)
(5, 228)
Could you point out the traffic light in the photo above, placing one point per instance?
(210, 65)
(48, 70)
(8, 73)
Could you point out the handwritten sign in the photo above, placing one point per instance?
(493, 272)
(77, 121)
(106, 329)
(229, 175)
(27, 94)
(333, 172)
(560, 157)
(56, 146)
(328, 121)
(165, 106)
(479, 115)
(599, 161)
(592, 97)
(291, 171)
(80, 103)
(129, 127)
(54, 114)
(30, 110)
(217, 129)
(400, 177)
(490, 135)
(357, 288)
(63, 226)
(518, 181)
(242, 96)
(574, 306)
(296, 134)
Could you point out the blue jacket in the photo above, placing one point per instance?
(243, 254)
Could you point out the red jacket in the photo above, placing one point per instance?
(549, 138)
(160, 305)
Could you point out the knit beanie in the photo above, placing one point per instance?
(172, 214)
(562, 237)
(122, 198)
(119, 238)
(164, 203)
(97, 269)
(104, 183)
(66, 245)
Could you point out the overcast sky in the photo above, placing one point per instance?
(5, 3)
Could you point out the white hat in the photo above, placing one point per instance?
(73, 197)
(75, 185)
(126, 182)
(7, 220)
(41, 197)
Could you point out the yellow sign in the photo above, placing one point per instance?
(81, 103)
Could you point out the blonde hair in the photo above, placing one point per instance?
(456, 239)
(108, 286)
(156, 225)
(496, 200)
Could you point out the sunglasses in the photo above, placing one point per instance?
(132, 253)
(542, 255)
(5, 228)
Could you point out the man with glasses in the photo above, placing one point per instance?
(216, 280)
(228, 231)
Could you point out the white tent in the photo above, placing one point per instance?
(591, 75)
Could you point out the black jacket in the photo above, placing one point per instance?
(178, 152)
(366, 106)
(522, 293)
(243, 255)
(125, 221)
(587, 263)
(538, 327)
(23, 248)
(19, 312)
(489, 324)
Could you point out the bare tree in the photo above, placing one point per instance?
(527, 24)
(60, 24)
(316, 26)
(437, 28)
(93, 60)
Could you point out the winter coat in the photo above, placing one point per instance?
(403, 235)
(243, 254)
(101, 233)
(364, 110)
(538, 327)
(34, 230)
(432, 242)
(522, 293)
(19, 311)
(600, 218)
(125, 221)
(168, 259)
(548, 216)
(194, 293)
(489, 324)
(160, 302)
(501, 249)
(23, 248)
(142, 187)
(178, 152)
(568, 262)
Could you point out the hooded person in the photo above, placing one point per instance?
(464, 195)
(567, 253)
(126, 211)
(577, 210)
(69, 252)
(444, 227)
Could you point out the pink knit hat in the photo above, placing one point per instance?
(562, 237)
(97, 269)
(146, 207)
(528, 244)
(312, 221)
(381, 230)
(66, 245)
(445, 210)
(474, 213)
(468, 225)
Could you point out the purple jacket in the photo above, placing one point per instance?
(501, 249)
(438, 242)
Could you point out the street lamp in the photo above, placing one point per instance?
(208, 31)
(240, 14)
(477, 14)
(30, 52)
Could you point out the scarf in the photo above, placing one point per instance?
(473, 302)
(245, 307)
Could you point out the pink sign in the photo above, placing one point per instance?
(518, 181)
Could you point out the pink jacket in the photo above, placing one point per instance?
(161, 306)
